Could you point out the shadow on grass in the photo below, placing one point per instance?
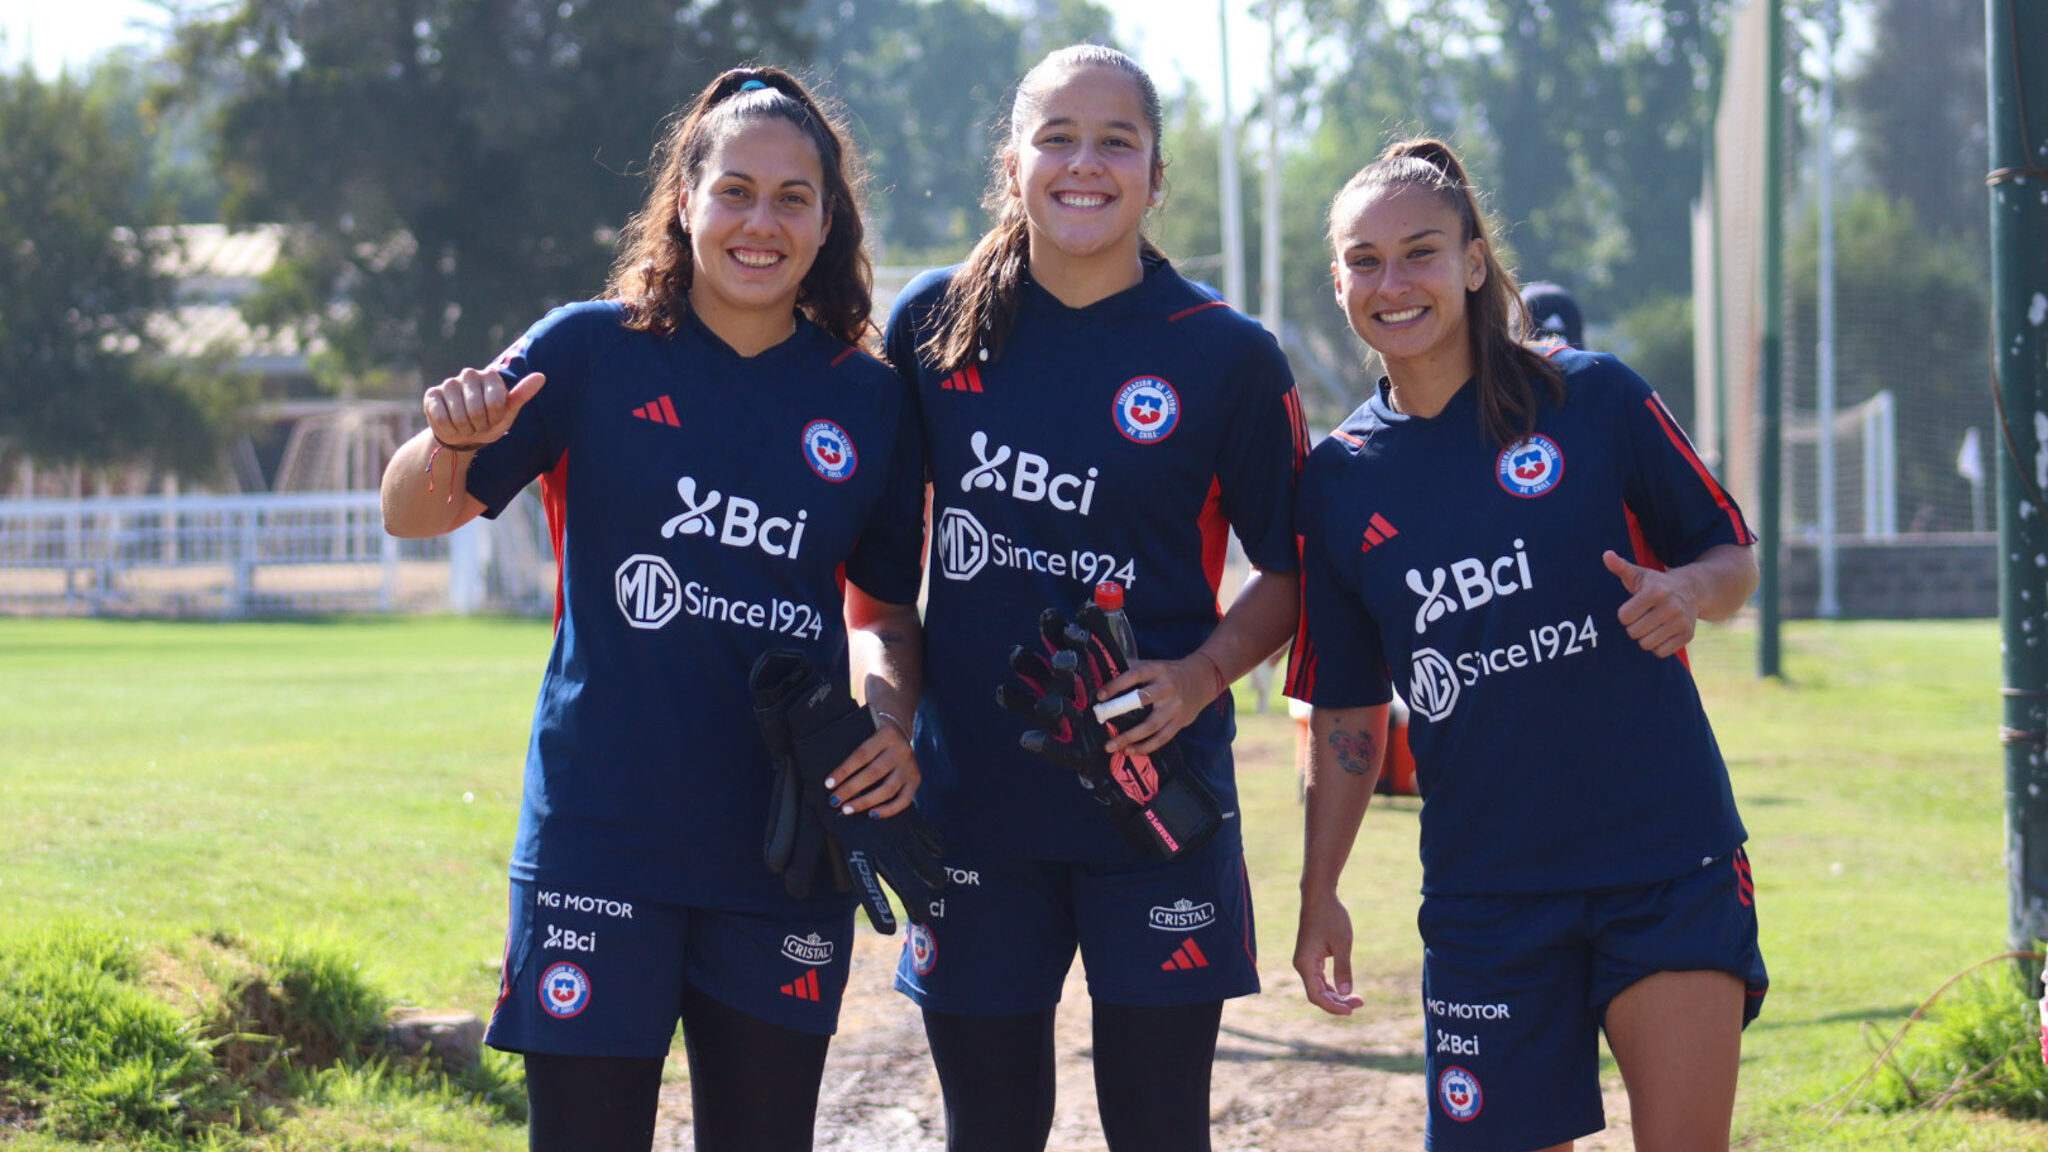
(1893, 1015)
(1262, 1047)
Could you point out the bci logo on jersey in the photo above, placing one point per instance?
(829, 450)
(1477, 581)
(1531, 466)
(1031, 479)
(741, 525)
(1146, 410)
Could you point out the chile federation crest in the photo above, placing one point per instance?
(1530, 466)
(1146, 410)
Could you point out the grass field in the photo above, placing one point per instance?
(356, 782)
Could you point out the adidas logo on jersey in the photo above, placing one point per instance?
(1188, 955)
(661, 411)
(1377, 532)
(804, 987)
(968, 379)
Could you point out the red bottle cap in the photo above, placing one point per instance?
(1109, 596)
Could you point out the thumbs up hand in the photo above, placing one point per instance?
(1662, 608)
(473, 407)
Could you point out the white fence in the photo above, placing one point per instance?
(287, 554)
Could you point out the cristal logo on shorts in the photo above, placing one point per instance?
(813, 949)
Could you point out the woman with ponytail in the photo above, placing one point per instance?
(1523, 540)
(718, 457)
(1089, 415)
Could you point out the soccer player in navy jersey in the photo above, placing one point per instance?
(1523, 540)
(1088, 415)
(715, 453)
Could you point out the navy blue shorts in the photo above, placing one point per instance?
(1152, 934)
(592, 975)
(1515, 989)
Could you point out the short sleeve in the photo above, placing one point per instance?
(1263, 449)
(1679, 507)
(1338, 659)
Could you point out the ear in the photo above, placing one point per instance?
(1475, 265)
(1337, 281)
(1010, 173)
(683, 210)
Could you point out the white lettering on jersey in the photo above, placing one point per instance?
(1032, 480)
(742, 526)
(1476, 582)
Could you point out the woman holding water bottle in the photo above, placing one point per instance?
(1089, 416)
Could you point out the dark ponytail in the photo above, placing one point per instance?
(1505, 370)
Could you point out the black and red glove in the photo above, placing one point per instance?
(811, 727)
(1161, 807)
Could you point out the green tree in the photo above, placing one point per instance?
(1918, 103)
(1913, 319)
(1584, 119)
(456, 167)
(927, 83)
(79, 280)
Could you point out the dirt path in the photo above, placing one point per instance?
(1287, 1078)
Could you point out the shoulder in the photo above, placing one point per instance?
(1599, 377)
(572, 333)
(922, 294)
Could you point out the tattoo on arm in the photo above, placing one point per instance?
(1356, 752)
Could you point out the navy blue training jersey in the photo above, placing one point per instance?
(705, 508)
(1120, 441)
(1554, 753)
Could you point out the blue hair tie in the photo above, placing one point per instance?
(753, 84)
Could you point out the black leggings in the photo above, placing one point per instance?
(1151, 1077)
(753, 1088)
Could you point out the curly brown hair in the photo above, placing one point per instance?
(653, 272)
(1504, 369)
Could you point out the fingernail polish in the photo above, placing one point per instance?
(833, 801)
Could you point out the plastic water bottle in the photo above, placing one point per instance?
(1109, 596)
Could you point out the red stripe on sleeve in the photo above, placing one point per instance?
(1678, 440)
(554, 498)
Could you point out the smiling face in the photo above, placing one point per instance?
(1086, 167)
(1403, 269)
(756, 219)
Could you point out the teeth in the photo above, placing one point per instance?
(1403, 316)
(1083, 199)
(757, 259)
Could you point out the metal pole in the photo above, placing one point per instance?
(1770, 388)
(1830, 606)
(2019, 306)
(1233, 207)
(1269, 221)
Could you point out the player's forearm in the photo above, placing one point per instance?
(1724, 577)
(886, 650)
(1259, 621)
(425, 493)
(1346, 747)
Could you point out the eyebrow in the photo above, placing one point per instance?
(1130, 126)
(1408, 239)
(736, 174)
